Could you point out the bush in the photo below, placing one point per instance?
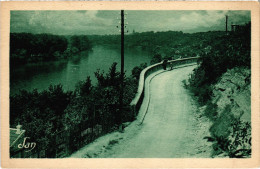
(221, 126)
(211, 111)
(156, 59)
(39, 113)
(237, 144)
(83, 88)
(102, 99)
(137, 70)
(231, 137)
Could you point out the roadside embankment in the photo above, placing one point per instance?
(230, 112)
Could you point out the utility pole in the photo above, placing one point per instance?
(122, 71)
(226, 24)
(122, 45)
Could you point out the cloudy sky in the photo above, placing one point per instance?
(105, 22)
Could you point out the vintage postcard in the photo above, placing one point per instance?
(130, 84)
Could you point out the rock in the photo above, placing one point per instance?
(233, 90)
(232, 95)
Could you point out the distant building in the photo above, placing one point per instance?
(237, 28)
(234, 27)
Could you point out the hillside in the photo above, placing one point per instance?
(221, 84)
(230, 111)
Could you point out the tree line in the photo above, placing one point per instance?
(27, 47)
(162, 45)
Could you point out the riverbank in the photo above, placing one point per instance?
(68, 73)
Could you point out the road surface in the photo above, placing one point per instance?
(169, 129)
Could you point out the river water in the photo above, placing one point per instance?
(68, 73)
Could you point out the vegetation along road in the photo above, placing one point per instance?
(170, 128)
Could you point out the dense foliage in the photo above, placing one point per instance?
(39, 112)
(137, 70)
(27, 47)
(231, 135)
(44, 114)
(102, 98)
(79, 43)
(221, 53)
(170, 44)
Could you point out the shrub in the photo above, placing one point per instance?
(221, 126)
(211, 111)
(156, 59)
(83, 88)
(238, 143)
(39, 112)
(137, 70)
(231, 136)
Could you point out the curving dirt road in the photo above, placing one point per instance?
(169, 129)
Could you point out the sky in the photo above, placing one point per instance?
(105, 22)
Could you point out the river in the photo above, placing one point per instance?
(67, 73)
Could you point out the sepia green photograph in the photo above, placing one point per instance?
(130, 84)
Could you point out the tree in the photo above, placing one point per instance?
(137, 70)
(80, 43)
(156, 59)
(26, 47)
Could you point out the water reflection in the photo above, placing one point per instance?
(68, 73)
